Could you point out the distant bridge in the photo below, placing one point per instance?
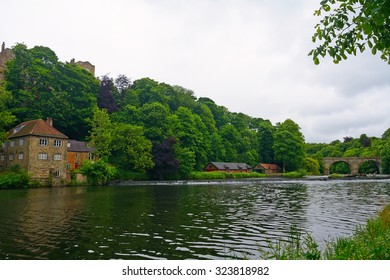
(353, 162)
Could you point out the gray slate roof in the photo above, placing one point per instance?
(231, 165)
(79, 146)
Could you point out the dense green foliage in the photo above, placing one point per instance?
(14, 177)
(349, 26)
(155, 129)
(98, 172)
(370, 242)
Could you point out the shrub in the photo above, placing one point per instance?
(295, 174)
(98, 172)
(14, 177)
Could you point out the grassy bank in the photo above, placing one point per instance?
(369, 242)
(223, 175)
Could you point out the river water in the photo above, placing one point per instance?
(180, 221)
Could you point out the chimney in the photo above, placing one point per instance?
(49, 121)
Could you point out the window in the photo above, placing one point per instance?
(2, 157)
(57, 156)
(20, 156)
(57, 143)
(42, 156)
(21, 141)
(91, 156)
(68, 166)
(12, 143)
(57, 173)
(4, 145)
(43, 142)
(11, 156)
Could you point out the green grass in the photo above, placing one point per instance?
(223, 175)
(369, 242)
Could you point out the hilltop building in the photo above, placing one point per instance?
(5, 56)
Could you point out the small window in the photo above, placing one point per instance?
(43, 142)
(57, 156)
(21, 141)
(4, 145)
(2, 157)
(57, 173)
(20, 156)
(68, 166)
(57, 143)
(12, 143)
(11, 156)
(42, 156)
(91, 156)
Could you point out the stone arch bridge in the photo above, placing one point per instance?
(354, 163)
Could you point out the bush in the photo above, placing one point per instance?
(98, 172)
(295, 174)
(14, 177)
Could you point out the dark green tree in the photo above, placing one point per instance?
(6, 118)
(266, 133)
(289, 146)
(351, 26)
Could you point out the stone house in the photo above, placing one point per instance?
(227, 167)
(38, 148)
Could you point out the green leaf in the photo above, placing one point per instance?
(316, 61)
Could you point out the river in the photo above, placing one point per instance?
(180, 221)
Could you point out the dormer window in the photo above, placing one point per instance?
(18, 128)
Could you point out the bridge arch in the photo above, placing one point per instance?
(354, 163)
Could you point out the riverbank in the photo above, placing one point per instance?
(370, 242)
(239, 181)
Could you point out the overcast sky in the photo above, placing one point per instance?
(247, 55)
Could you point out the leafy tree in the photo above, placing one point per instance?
(101, 133)
(154, 117)
(130, 150)
(385, 155)
(187, 161)
(349, 26)
(289, 146)
(165, 162)
(266, 141)
(365, 141)
(123, 85)
(41, 86)
(312, 166)
(6, 117)
(105, 99)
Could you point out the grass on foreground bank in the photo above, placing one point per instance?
(370, 242)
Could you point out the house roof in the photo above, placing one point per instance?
(268, 166)
(35, 127)
(79, 146)
(230, 165)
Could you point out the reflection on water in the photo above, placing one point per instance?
(179, 221)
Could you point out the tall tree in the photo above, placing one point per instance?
(165, 162)
(266, 141)
(101, 134)
(6, 118)
(105, 99)
(289, 146)
(349, 26)
(41, 87)
(130, 149)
